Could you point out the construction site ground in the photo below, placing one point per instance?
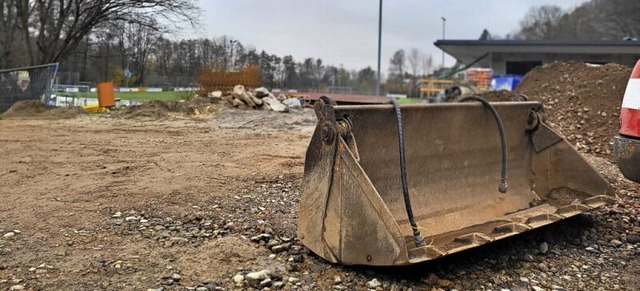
(100, 202)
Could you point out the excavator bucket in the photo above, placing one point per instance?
(354, 209)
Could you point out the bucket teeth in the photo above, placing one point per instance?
(428, 252)
(512, 227)
(475, 238)
(573, 209)
(598, 201)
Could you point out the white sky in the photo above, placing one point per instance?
(346, 32)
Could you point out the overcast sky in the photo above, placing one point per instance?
(346, 32)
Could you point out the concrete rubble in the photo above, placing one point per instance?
(259, 98)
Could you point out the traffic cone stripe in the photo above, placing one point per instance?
(630, 111)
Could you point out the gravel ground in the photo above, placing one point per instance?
(101, 204)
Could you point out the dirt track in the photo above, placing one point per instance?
(113, 204)
(62, 181)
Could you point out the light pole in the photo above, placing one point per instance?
(231, 42)
(379, 46)
(444, 20)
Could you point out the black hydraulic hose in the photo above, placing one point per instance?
(419, 239)
(502, 187)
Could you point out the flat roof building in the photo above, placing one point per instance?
(520, 56)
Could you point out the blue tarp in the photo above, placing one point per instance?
(505, 82)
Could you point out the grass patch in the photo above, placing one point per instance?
(166, 95)
(406, 101)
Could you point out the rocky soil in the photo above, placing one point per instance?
(103, 203)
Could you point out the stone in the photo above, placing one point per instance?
(238, 279)
(261, 92)
(254, 278)
(265, 283)
(238, 90)
(117, 215)
(293, 280)
(536, 288)
(215, 94)
(16, 287)
(202, 289)
(373, 284)
(292, 103)
(281, 248)
(337, 280)
(616, 243)
(9, 234)
(274, 104)
(543, 267)
(176, 277)
(544, 248)
(272, 243)
(272, 257)
(633, 238)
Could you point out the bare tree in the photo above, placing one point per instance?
(397, 65)
(51, 29)
(617, 19)
(414, 61)
(540, 22)
(426, 63)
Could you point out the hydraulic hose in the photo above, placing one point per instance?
(502, 187)
(419, 239)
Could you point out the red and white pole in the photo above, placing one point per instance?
(630, 111)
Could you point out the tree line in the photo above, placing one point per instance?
(96, 40)
(592, 20)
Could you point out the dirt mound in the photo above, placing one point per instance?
(499, 96)
(156, 109)
(35, 109)
(581, 100)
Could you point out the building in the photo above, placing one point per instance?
(520, 56)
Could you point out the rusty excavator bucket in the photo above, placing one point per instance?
(384, 186)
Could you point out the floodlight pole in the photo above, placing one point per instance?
(379, 47)
(444, 20)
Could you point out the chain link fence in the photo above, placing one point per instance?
(28, 83)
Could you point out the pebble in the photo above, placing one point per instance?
(281, 248)
(265, 283)
(337, 280)
(238, 279)
(16, 287)
(536, 288)
(176, 277)
(202, 289)
(117, 215)
(616, 243)
(9, 234)
(633, 238)
(544, 248)
(272, 256)
(374, 284)
(254, 278)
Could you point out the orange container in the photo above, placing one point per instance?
(106, 95)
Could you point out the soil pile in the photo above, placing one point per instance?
(157, 109)
(499, 96)
(581, 100)
(35, 109)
